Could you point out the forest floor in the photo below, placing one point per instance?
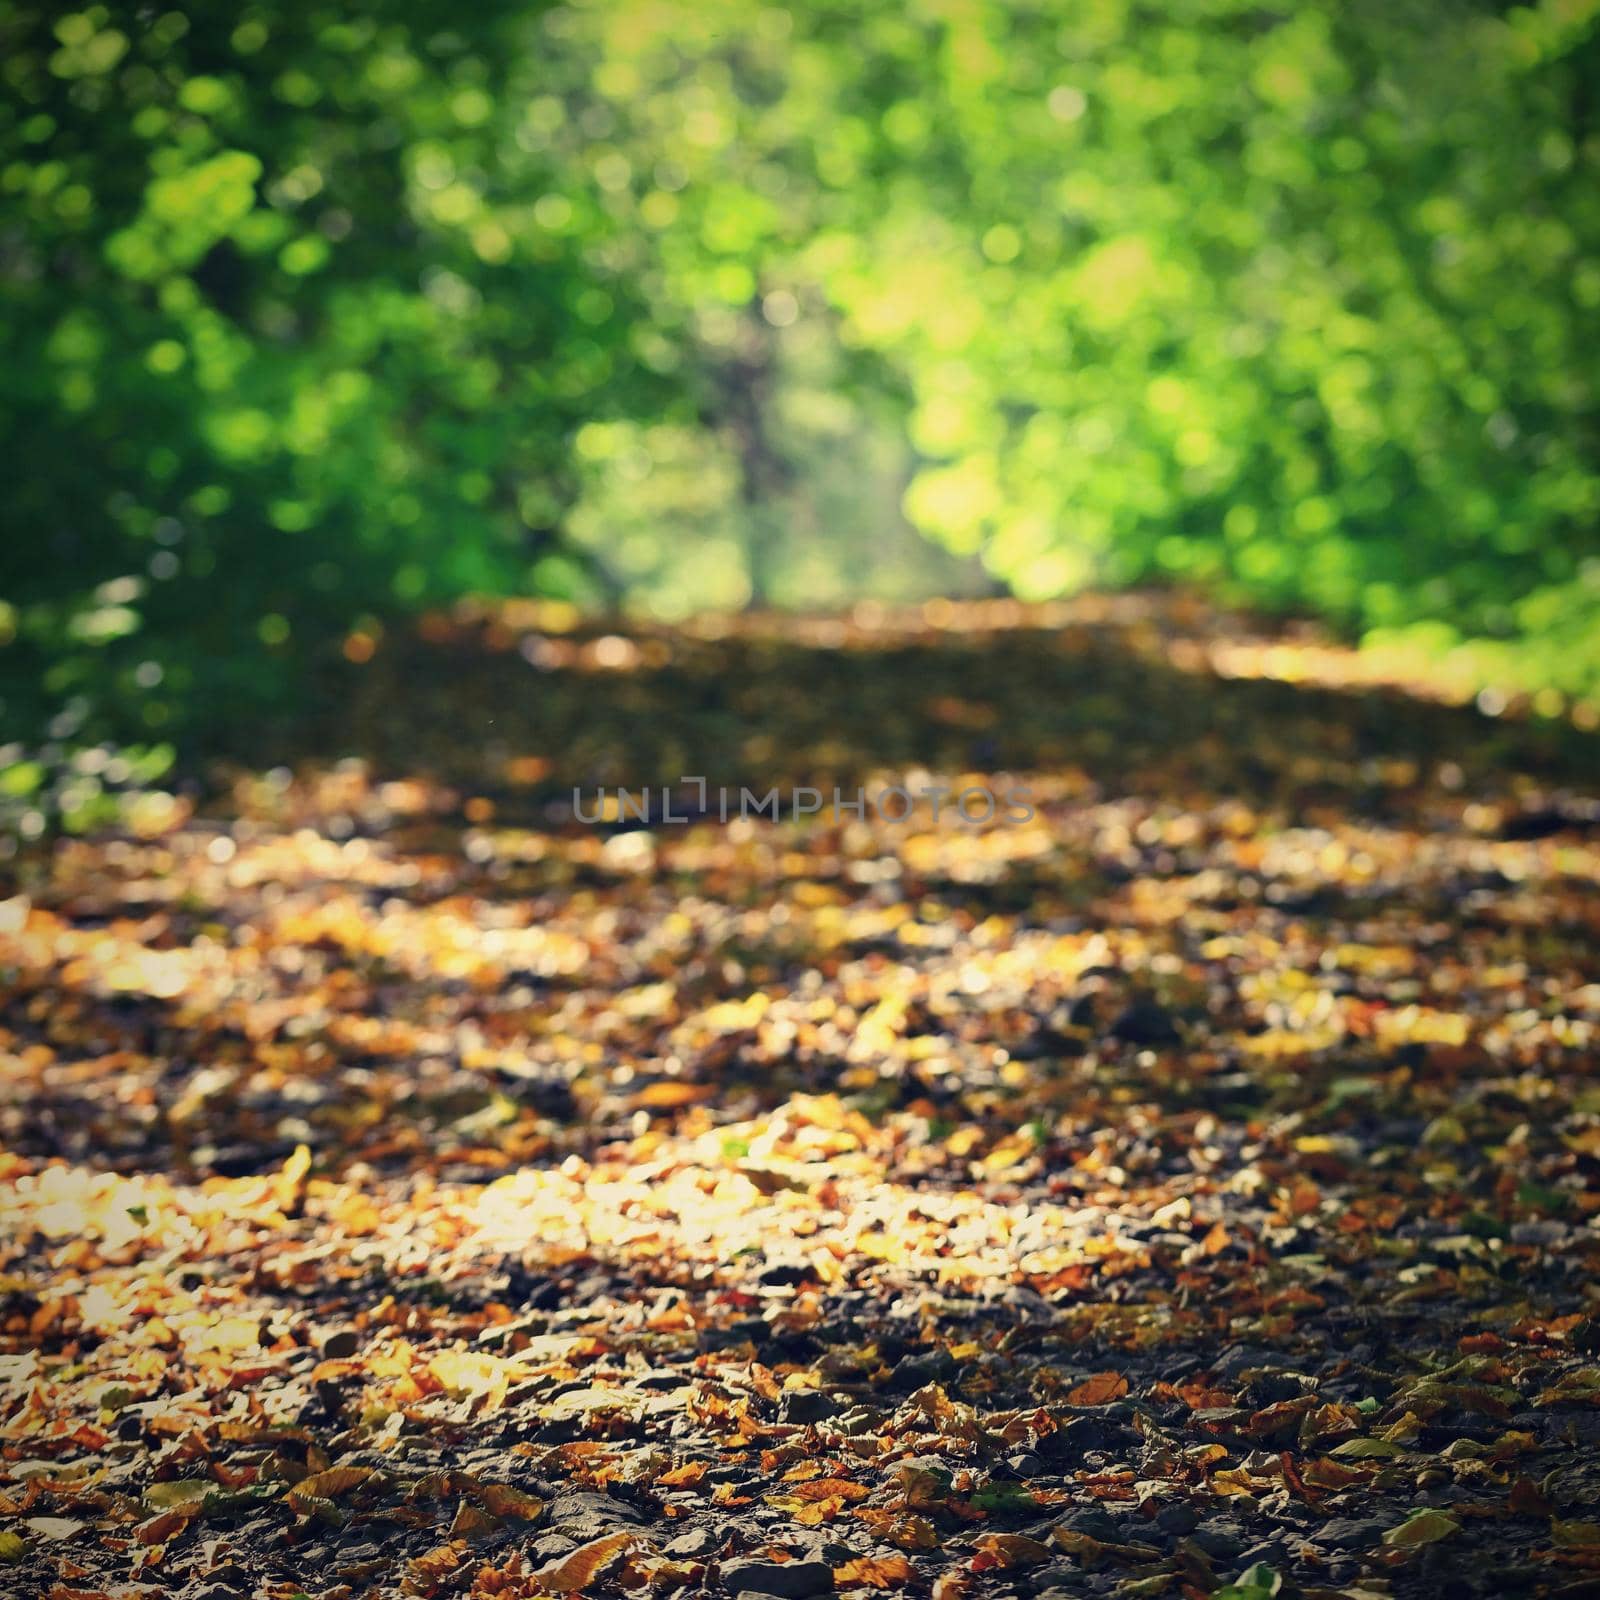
(410, 1190)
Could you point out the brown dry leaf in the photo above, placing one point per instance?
(684, 1477)
(428, 1572)
(1006, 1550)
(1098, 1390)
(868, 1572)
(166, 1525)
(578, 1570)
(329, 1485)
(1527, 1499)
(1081, 1547)
(1326, 1473)
(470, 1521)
(1202, 1397)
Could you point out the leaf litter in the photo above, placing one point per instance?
(1190, 1191)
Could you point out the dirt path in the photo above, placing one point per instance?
(412, 1191)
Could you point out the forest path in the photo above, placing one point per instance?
(411, 1188)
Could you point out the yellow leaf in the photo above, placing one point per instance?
(472, 1373)
(504, 1501)
(1423, 1527)
(1231, 1481)
(910, 1533)
(289, 1186)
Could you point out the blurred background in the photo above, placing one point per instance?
(315, 316)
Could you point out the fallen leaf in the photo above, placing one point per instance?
(177, 1492)
(1006, 1550)
(289, 1186)
(1098, 1390)
(1423, 1527)
(577, 1570)
(504, 1501)
(472, 1374)
(1258, 1582)
(53, 1527)
(426, 1573)
(910, 1533)
(165, 1525)
(329, 1485)
(870, 1572)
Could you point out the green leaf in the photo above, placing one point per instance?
(229, 1502)
(1424, 1527)
(1003, 1497)
(1259, 1582)
(1367, 1450)
(177, 1492)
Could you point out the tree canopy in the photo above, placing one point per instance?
(315, 313)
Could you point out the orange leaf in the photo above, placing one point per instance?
(165, 1526)
(1201, 1397)
(579, 1569)
(867, 1572)
(1327, 1473)
(1008, 1550)
(428, 1572)
(832, 1488)
(1099, 1390)
(666, 1096)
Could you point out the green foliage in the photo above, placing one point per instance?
(1298, 303)
(296, 328)
(311, 315)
